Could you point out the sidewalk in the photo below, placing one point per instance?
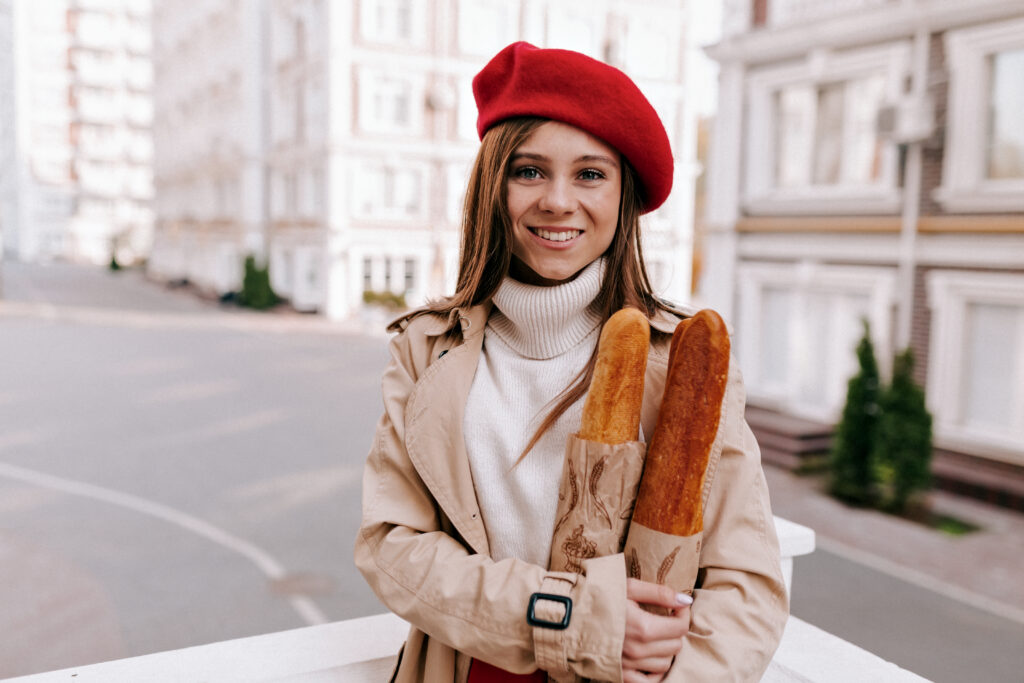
(127, 298)
(981, 568)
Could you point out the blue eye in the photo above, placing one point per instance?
(591, 174)
(526, 172)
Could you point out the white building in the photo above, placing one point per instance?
(868, 161)
(80, 129)
(8, 135)
(210, 139)
(368, 123)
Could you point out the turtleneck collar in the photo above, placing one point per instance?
(544, 322)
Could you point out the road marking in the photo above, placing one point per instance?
(273, 569)
(921, 580)
(240, 321)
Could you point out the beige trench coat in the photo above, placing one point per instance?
(423, 548)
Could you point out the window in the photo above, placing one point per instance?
(367, 274)
(976, 362)
(317, 188)
(799, 327)
(390, 103)
(410, 274)
(299, 116)
(387, 273)
(291, 194)
(466, 112)
(389, 191)
(1006, 102)
(399, 22)
(826, 134)
(813, 145)
(456, 179)
(983, 165)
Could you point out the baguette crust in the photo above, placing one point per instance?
(671, 489)
(611, 411)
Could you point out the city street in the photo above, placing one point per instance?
(173, 473)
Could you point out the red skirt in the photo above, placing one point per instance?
(482, 672)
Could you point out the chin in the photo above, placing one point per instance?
(557, 275)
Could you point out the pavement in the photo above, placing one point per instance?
(130, 298)
(980, 569)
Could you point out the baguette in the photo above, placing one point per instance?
(611, 411)
(671, 488)
(604, 459)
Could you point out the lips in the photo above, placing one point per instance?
(556, 235)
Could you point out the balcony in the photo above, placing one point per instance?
(364, 649)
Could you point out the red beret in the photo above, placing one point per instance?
(523, 80)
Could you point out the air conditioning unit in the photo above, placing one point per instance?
(907, 120)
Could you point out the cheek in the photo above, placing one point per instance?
(610, 210)
(516, 201)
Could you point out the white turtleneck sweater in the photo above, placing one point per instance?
(536, 341)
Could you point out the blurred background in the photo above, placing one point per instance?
(209, 209)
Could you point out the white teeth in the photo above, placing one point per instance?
(560, 236)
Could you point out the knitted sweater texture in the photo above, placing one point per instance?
(536, 341)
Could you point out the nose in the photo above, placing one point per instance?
(558, 197)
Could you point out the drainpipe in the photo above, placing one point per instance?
(912, 187)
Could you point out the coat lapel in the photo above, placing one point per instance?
(434, 437)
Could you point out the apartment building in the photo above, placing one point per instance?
(868, 162)
(367, 123)
(79, 177)
(8, 136)
(209, 136)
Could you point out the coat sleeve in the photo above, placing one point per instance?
(740, 605)
(421, 570)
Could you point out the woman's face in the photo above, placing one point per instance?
(564, 187)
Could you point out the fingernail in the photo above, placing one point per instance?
(684, 599)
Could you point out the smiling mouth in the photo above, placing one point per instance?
(556, 235)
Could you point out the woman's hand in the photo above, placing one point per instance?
(652, 641)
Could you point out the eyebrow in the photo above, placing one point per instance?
(585, 158)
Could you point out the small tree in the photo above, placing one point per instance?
(256, 290)
(852, 473)
(903, 442)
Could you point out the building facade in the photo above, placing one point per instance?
(209, 135)
(80, 177)
(368, 132)
(8, 134)
(868, 163)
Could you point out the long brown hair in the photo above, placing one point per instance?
(486, 250)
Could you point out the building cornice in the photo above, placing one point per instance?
(847, 30)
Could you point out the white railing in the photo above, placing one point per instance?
(363, 650)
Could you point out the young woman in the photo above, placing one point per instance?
(484, 387)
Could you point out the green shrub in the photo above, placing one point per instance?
(385, 299)
(256, 290)
(850, 462)
(903, 443)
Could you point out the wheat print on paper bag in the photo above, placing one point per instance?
(595, 500)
